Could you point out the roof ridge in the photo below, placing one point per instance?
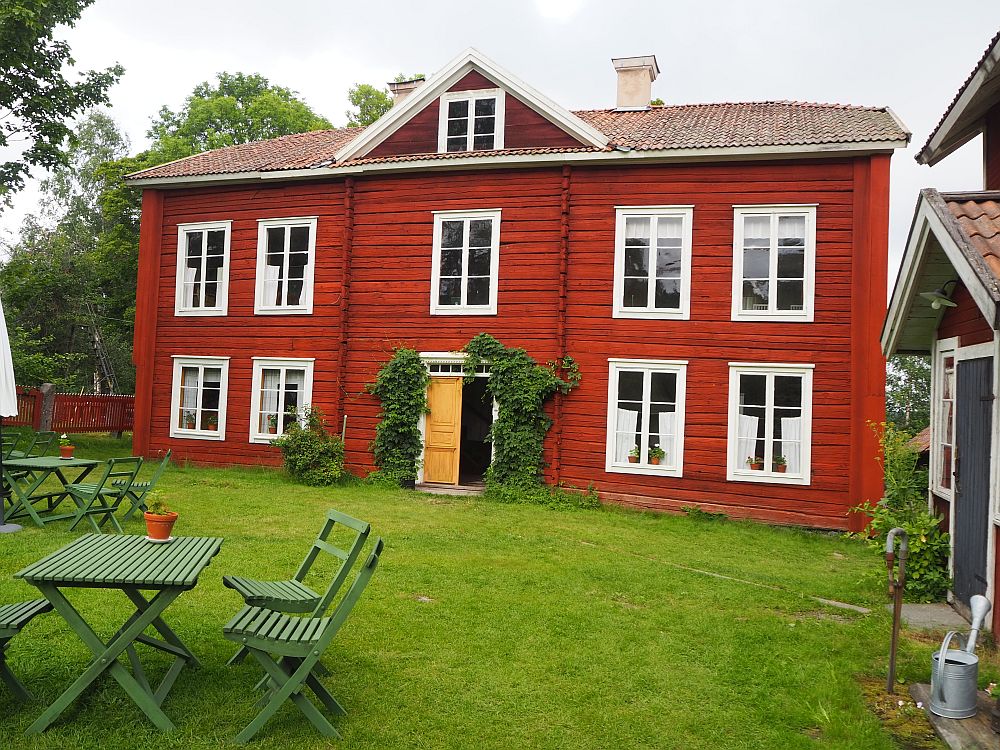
(785, 102)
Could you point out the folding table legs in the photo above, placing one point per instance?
(106, 655)
(8, 677)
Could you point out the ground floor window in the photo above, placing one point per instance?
(770, 422)
(646, 417)
(282, 389)
(198, 401)
(943, 420)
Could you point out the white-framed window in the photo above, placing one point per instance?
(202, 268)
(286, 259)
(646, 416)
(198, 397)
(774, 260)
(465, 262)
(770, 423)
(282, 389)
(471, 120)
(943, 418)
(653, 262)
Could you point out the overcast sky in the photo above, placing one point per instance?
(906, 55)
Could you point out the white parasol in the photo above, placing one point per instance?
(8, 407)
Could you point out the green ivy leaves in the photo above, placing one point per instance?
(401, 386)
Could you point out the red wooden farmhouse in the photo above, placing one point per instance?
(718, 271)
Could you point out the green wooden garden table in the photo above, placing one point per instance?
(133, 565)
(24, 493)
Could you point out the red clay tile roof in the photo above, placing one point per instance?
(921, 442)
(978, 215)
(692, 126)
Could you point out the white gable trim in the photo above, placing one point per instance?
(926, 222)
(441, 81)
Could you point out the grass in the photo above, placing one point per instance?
(496, 626)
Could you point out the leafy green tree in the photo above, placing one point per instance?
(370, 103)
(37, 100)
(908, 392)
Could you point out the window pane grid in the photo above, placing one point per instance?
(773, 263)
(203, 258)
(471, 124)
(199, 398)
(645, 424)
(652, 270)
(286, 262)
(465, 268)
(769, 423)
(280, 400)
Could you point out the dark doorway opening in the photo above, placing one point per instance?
(476, 449)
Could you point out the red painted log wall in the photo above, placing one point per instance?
(965, 321)
(390, 269)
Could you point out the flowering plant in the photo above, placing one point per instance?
(656, 452)
(634, 453)
(64, 439)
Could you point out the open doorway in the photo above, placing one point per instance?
(475, 451)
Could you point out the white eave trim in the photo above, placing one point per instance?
(514, 161)
(471, 59)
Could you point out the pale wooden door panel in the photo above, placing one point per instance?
(444, 424)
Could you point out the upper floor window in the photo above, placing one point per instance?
(653, 262)
(466, 262)
(202, 268)
(770, 423)
(198, 397)
(646, 417)
(282, 389)
(471, 120)
(286, 254)
(774, 256)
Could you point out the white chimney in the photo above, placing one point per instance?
(402, 89)
(635, 80)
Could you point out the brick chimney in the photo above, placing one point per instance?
(635, 80)
(402, 89)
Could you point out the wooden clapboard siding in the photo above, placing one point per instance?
(388, 266)
(966, 322)
(523, 126)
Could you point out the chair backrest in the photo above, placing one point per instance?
(9, 443)
(40, 443)
(351, 597)
(156, 476)
(123, 469)
(346, 557)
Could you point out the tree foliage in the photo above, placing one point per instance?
(36, 98)
(370, 102)
(908, 392)
(312, 455)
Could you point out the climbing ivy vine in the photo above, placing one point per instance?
(401, 386)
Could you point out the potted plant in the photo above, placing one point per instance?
(66, 446)
(633, 455)
(212, 422)
(656, 454)
(779, 464)
(755, 463)
(272, 424)
(159, 519)
(189, 420)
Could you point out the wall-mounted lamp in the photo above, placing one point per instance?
(941, 297)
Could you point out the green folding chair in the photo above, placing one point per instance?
(136, 493)
(102, 497)
(294, 595)
(38, 445)
(13, 617)
(299, 642)
(9, 443)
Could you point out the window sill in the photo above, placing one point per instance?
(217, 435)
(768, 317)
(282, 310)
(488, 310)
(198, 312)
(767, 477)
(267, 439)
(644, 469)
(640, 314)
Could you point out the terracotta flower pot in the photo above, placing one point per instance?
(159, 526)
(654, 461)
(757, 467)
(633, 459)
(780, 468)
(212, 427)
(66, 451)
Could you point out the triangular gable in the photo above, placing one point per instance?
(416, 105)
(934, 234)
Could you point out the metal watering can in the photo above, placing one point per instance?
(954, 674)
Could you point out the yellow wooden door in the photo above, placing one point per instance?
(444, 425)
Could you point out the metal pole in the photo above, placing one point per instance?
(896, 585)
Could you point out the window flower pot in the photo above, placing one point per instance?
(66, 451)
(212, 427)
(633, 459)
(159, 526)
(654, 461)
(780, 468)
(757, 467)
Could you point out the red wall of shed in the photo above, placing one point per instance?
(966, 321)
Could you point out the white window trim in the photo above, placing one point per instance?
(676, 366)
(489, 309)
(806, 315)
(181, 361)
(259, 364)
(498, 122)
(222, 294)
(305, 307)
(686, 213)
(942, 348)
(736, 468)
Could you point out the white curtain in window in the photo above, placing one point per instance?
(271, 276)
(791, 444)
(189, 393)
(189, 277)
(269, 383)
(746, 439)
(626, 424)
(665, 426)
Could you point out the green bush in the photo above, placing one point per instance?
(905, 506)
(401, 386)
(312, 455)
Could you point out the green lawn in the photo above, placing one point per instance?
(493, 626)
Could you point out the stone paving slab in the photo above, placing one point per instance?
(932, 617)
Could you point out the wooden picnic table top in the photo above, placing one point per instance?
(113, 561)
(48, 462)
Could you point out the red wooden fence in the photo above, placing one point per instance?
(76, 413)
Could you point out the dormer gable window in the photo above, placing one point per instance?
(471, 121)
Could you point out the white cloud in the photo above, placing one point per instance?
(558, 10)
